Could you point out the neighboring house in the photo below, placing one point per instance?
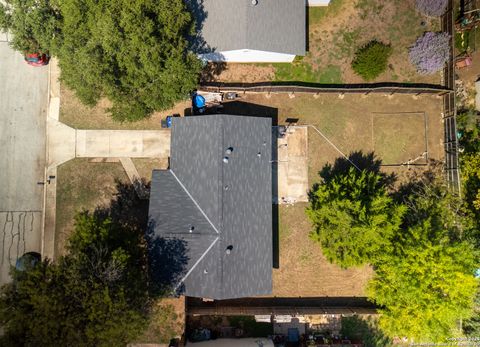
(215, 204)
(318, 2)
(250, 30)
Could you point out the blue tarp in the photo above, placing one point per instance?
(198, 101)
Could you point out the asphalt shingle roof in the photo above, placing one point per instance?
(229, 204)
(271, 25)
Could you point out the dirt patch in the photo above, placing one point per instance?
(167, 321)
(79, 116)
(243, 72)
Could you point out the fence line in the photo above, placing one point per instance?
(315, 88)
(452, 170)
(446, 90)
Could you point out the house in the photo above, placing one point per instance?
(215, 200)
(250, 30)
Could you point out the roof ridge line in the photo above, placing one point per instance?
(195, 202)
(196, 263)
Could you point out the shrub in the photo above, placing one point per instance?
(432, 8)
(371, 60)
(430, 52)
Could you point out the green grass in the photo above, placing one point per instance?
(316, 14)
(299, 71)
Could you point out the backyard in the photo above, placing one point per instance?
(399, 129)
(336, 32)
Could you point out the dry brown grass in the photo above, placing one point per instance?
(304, 271)
(347, 123)
(79, 116)
(84, 185)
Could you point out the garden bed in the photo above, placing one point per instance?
(336, 32)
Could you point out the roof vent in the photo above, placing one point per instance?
(229, 249)
(229, 150)
(226, 187)
(192, 228)
(205, 271)
(225, 160)
(254, 2)
(259, 154)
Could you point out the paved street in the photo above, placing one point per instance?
(23, 105)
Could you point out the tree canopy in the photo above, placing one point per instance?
(413, 236)
(426, 284)
(93, 296)
(354, 218)
(133, 52)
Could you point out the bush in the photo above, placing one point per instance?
(432, 8)
(371, 60)
(430, 52)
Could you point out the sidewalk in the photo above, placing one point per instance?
(65, 143)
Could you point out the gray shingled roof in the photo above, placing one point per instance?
(229, 204)
(271, 25)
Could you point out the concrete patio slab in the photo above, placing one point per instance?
(292, 165)
(123, 143)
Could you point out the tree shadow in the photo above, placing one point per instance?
(364, 332)
(199, 45)
(162, 260)
(167, 262)
(417, 181)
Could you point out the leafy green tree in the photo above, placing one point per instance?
(426, 290)
(94, 296)
(354, 218)
(133, 52)
(371, 60)
(35, 24)
(471, 327)
(426, 283)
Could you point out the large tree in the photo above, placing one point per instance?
(425, 284)
(94, 296)
(133, 52)
(353, 216)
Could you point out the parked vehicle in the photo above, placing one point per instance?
(37, 59)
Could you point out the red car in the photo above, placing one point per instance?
(37, 59)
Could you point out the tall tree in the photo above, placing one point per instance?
(133, 52)
(94, 296)
(35, 24)
(354, 218)
(426, 283)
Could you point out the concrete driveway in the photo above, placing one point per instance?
(23, 106)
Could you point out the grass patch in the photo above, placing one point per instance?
(79, 116)
(300, 71)
(82, 186)
(317, 13)
(164, 324)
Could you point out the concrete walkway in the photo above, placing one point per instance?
(122, 143)
(65, 143)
